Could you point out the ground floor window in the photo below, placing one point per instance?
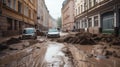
(90, 22)
(9, 25)
(82, 23)
(15, 25)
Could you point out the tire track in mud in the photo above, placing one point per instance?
(57, 55)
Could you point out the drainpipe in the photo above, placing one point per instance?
(100, 26)
(1, 7)
(116, 20)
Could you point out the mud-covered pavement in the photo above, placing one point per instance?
(48, 52)
(56, 57)
(35, 53)
(30, 56)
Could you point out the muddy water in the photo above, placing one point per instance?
(54, 56)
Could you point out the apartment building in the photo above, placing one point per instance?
(68, 15)
(97, 16)
(41, 15)
(16, 15)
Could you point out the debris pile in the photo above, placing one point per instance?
(3, 47)
(41, 33)
(16, 44)
(13, 41)
(90, 39)
(102, 50)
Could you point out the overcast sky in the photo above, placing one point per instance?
(54, 7)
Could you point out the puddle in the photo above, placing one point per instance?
(55, 57)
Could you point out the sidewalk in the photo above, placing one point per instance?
(3, 39)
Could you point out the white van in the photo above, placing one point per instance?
(29, 33)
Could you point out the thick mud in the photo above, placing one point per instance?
(56, 56)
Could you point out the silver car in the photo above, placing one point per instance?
(53, 33)
(29, 33)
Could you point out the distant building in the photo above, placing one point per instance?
(52, 22)
(43, 15)
(44, 18)
(16, 15)
(68, 15)
(97, 16)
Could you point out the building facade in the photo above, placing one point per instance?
(97, 16)
(45, 20)
(52, 22)
(16, 15)
(68, 15)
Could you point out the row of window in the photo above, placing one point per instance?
(13, 24)
(90, 22)
(85, 5)
(18, 6)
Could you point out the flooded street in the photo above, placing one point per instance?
(60, 33)
(47, 52)
(43, 53)
(55, 57)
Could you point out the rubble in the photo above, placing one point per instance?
(106, 51)
(90, 39)
(26, 44)
(41, 33)
(41, 40)
(102, 45)
(32, 42)
(79, 38)
(3, 47)
(16, 44)
(13, 41)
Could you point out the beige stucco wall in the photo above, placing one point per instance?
(68, 16)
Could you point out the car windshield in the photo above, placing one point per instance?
(29, 31)
(53, 30)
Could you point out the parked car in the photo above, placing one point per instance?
(29, 33)
(53, 33)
